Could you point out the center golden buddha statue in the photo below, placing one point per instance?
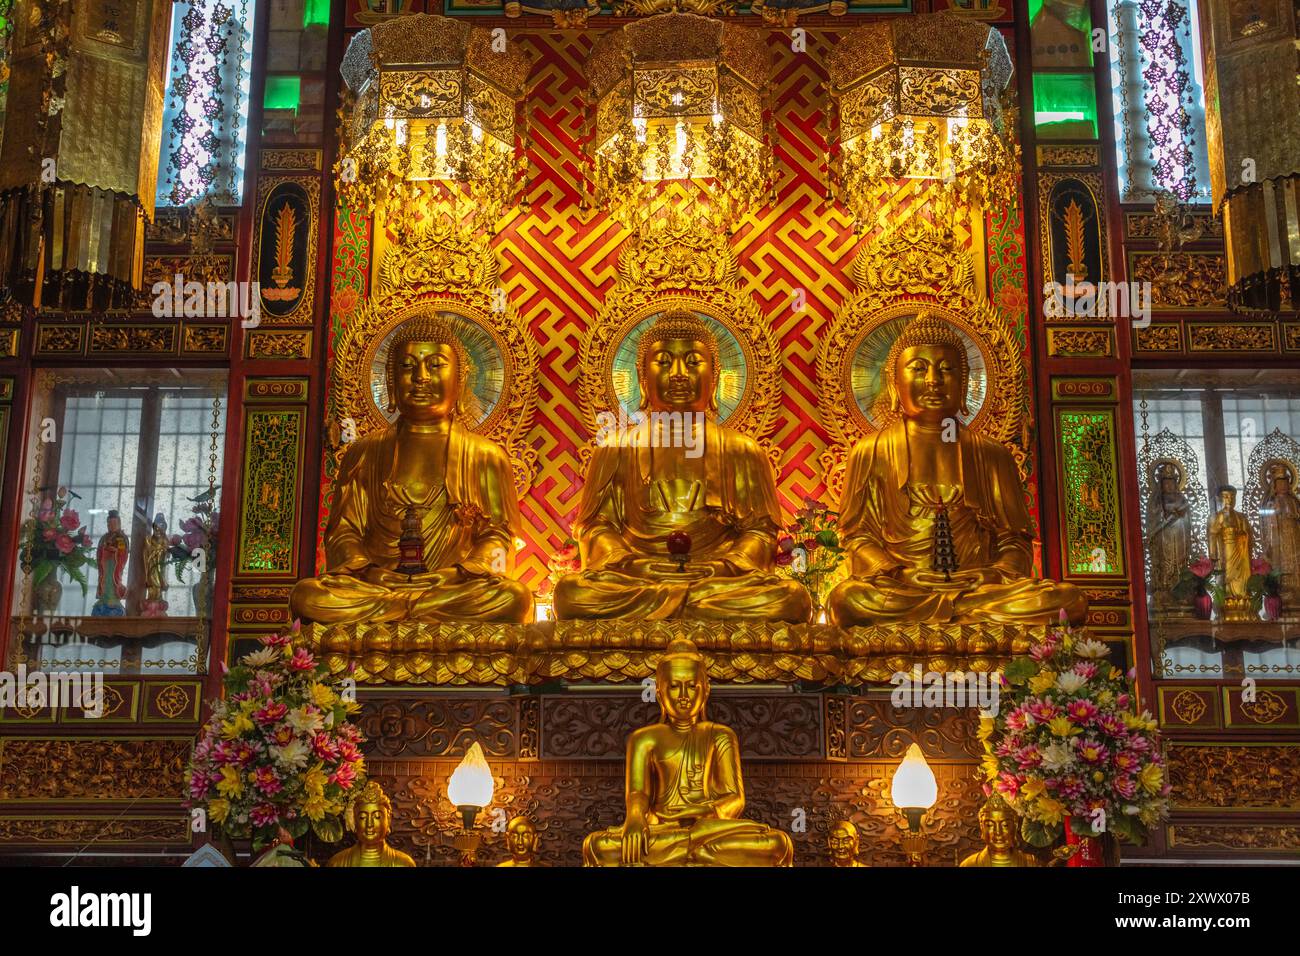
(684, 793)
(424, 517)
(679, 474)
(933, 515)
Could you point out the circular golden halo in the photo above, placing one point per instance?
(626, 339)
(877, 414)
(490, 368)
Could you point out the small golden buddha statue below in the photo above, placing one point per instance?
(684, 791)
(521, 841)
(425, 481)
(842, 842)
(370, 817)
(934, 515)
(1231, 542)
(998, 826)
(678, 477)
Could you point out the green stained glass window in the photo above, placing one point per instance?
(316, 13)
(1065, 105)
(282, 93)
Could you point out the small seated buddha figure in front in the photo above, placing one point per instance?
(371, 816)
(424, 517)
(842, 842)
(998, 827)
(933, 515)
(680, 475)
(684, 793)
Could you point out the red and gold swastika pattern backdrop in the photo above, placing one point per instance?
(558, 263)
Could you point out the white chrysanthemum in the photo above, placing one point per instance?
(1057, 756)
(260, 658)
(304, 721)
(292, 756)
(1094, 650)
(1070, 681)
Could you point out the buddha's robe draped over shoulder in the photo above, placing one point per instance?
(463, 522)
(888, 532)
(635, 495)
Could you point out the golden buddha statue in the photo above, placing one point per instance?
(679, 474)
(684, 790)
(998, 825)
(424, 516)
(371, 815)
(842, 842)
(521, 841)
(1231, 542)
(933, 514)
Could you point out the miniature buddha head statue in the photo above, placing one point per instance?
(842, 842)
(677, 364)
(521, 840)
(926, 372)
(998, 826)
(682, 684)
(426, 371)
(371, 816)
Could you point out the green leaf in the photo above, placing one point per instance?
(329, 829)
(828, 538)
(1039, 834)
(1019, 670)
(297, 826)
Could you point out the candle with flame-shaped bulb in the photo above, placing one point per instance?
(470, 787)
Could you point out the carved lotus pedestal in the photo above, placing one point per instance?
(469, 654)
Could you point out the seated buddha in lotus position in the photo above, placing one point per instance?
(684, 793)
(679, 471)
(933, 515)
(424, 516)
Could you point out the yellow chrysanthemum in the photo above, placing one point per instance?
(1049, 810)
(990, 765)
(1151, 777)
(315, 806)
(1042, 681)
(218, 809)
(237, 725)
(1145, 722)
(322, 695)
(985, 731)
(230, 784)
(1033, 787)
(1105, 698)
(315, 780)
(1062, 727)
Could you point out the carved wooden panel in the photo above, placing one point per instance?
(1248, 776)
(93, 768)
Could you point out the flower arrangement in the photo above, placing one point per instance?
(56, 540)
(1197, 578)
(278, 750)
(1067, 745)
(563, 560)
(1264, 582)
(808, 551)
(198, 533)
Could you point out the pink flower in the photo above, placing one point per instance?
(1126, 762)
(198, 785)
(1202, 567)
(1090, 751)
(1007, 785)
(348, 751)
(344, 776)
(1018, 720)
(48, 534)
(1028, 757)
(263, 815)
(1081, 711)
(785, 543)
(64, 544)
(283, 736)
(1260, 566)
(85, 540)
(1085, 669)
(1122, 701)
(302, 660)
(270, 713)
(70, 521)
(275, 640)
(1110, 725)
(1125, 786)
(265, 780)
(1041, 652)
(244, 753)
(324, 747)
(1042, 711)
